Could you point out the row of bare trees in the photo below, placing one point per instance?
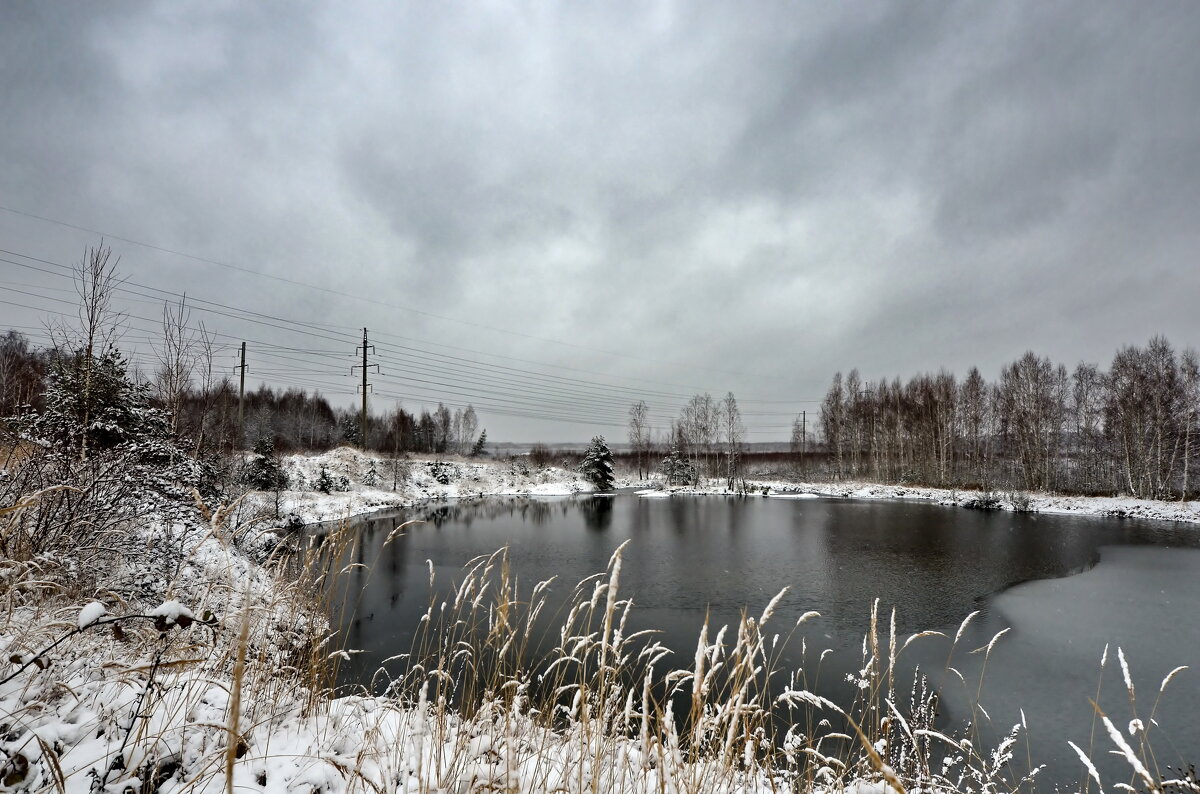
(1130, 429)
(708, 433)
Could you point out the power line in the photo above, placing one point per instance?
(403, 350)
(339, 293)
(500, 389)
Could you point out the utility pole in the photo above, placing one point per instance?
(241, 392)
(365, 387)
(803, 437)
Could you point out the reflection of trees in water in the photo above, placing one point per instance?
(535, 511)
(597, 512)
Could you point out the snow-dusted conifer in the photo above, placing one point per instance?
(597, 465)
(480, 448)
(676, 469)
(265, 472)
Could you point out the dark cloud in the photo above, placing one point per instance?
(727, 197)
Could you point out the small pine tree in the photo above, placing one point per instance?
(597, 465)
(371, 478)
(480, 448)
(325, 482)
(265, 472)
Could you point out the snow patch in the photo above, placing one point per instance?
(91, 613)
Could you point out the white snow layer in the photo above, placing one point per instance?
(91, 613)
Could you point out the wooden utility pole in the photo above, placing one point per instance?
(241, 393)
(365, 387)
(803, 437)
(803, 433)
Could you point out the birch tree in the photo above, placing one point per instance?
(733, 433)
(639, 434)
(833, 421)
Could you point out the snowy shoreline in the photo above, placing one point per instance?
(1101, 506)
(431, 480)
(424, 480)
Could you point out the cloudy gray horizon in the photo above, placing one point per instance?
(548, 209)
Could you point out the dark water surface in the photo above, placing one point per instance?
(1064, 585)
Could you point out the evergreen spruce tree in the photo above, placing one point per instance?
(371, 478)
(676, 469)
(480, 448)
(597, 465)
(265, 472)
(325, 482)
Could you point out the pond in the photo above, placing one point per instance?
(1064, 586)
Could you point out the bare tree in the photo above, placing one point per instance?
(177, 355)
(21, 371)
(443, 429)
(1143, 411)
(698, 424)
(973, 408)
(833, 422)
(454, 441)
(799, 442)
(470, 423)
(1189, 371)
(733, 432)
(639, 433)
(1087, 411)
(95, 278)
(1031, 398)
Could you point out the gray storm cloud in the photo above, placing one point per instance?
(729, 197)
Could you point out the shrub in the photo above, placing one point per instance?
(328, 483)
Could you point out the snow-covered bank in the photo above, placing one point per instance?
(1117, 507)
(363, 483)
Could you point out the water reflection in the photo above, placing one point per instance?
(597, 512)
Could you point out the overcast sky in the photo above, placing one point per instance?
(656, 197)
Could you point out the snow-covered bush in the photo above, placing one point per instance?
(329, 483)
(99, 457)
(443, 472)
(1020, 501)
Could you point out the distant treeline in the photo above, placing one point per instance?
(293, 419)
(1130, 429)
